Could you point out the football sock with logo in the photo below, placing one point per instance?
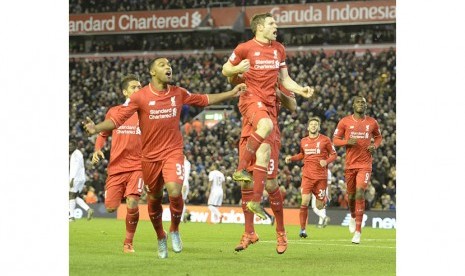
(359, 210)
(247, 195)
(176, 205)
(253, 143)
(276, 203)
(155, 210)
(259, 178)
(303, 215)
(352, 206)
(132, 218)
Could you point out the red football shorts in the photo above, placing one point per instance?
(357, 178)
(119, 186)
(314, 186)
(157, 173)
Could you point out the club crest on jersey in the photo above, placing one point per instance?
(351, 127)
(367, 127)
(256, 54)
(275, 53)
(259, 104)
(173, 101)
(152, 103)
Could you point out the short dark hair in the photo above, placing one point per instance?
(126, 80)
(152, 62)
(258, 19)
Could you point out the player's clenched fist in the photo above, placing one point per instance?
(243, 66)
(307, 92)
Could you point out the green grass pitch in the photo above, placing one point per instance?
(95, 248)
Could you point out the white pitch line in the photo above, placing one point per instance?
(335, 244)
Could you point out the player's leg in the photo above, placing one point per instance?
(185, 192)
(153, 181)
(276, 203)
(350, 176)
(72, 205)
(173, 177)
(260, 172)
(79, 201)
(362, 179)
(319, 199)
(249, 236)
(305, 189)
(257, 115)
(133, 192)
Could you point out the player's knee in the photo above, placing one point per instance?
(131, 201)
(359, 194)
(271, 186)
(320, 204)
(111, 210)
(173, 189)
(246, 185)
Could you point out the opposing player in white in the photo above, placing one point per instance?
(77, 179)
(216, 185)
(185, 185)
(323, 218)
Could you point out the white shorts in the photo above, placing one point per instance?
(215, 198)
(77, 186)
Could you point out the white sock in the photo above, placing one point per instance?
(183, 211)
(321, 213)
(72, 206)
(215, 213)
(82, 204)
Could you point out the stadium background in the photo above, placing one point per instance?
(354, 54)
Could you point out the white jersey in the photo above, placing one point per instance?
(185, 183)
(77, 171)
(216, 192)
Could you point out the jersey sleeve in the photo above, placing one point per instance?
(282, 52)
(238, 54)
(300, 155)
(102, 137)
(126, 110)
(377, 134)
(339, 133)
(331, 150)
(194, 99)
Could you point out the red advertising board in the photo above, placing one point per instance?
(298, 15)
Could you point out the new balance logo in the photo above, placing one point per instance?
(152, 103)
(351, 127)
(256, 54)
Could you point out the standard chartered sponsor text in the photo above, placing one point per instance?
(129, 22)
(165, 113)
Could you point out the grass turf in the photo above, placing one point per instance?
(95, 248)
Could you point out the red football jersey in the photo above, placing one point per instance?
(126, 144)
(357, 156)
(312, 150)
(159, 116)
(265, 62)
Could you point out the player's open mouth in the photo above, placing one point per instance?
(168, 74)
(275, 33)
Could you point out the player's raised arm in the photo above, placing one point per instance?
(230, 70)
(290, 84)
(91, 128)
(235, 92)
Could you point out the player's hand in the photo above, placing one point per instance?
(352, 141)
(243, 66)
(323, 163)
(239, 89)
(307, 92)
(96, 156)
(288, 159)
(371, 149)
(89, 126)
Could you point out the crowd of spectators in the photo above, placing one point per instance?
(336, 78)
(97, 6)
(216, 39)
